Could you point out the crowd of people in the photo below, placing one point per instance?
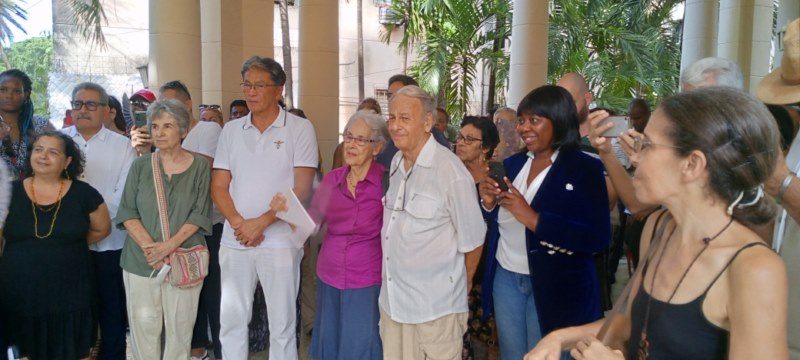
(171, 229)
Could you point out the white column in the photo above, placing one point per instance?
(175, 43)
(699, 30)
(745, 36)
(318, 81)
(528, 67)
(257, 28)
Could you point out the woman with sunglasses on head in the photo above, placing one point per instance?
(46, 278)
(18, 124)
(709, 287)
(543, 231)
(348, 201)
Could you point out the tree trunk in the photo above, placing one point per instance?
(360, 52)
(287, 54)
(496, 46)
(4, 56)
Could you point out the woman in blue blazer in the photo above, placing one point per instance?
(540, 273)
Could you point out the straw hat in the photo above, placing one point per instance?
(782, 85)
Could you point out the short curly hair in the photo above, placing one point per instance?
(71, 149)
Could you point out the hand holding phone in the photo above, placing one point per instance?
(498, 173)
(621, 124)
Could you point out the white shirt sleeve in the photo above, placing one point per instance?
(116, 197)
(306, 153)
(222, 151)
(209, 139)
(462, 201)
(5, 191)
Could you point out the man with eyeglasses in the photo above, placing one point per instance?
(259, 155)
(108, 158)
(432, 238)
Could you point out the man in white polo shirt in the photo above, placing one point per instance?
(432, 238)
(263, 153)
(108, 158)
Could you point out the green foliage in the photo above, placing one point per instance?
(624, 48)
(453, 37)
(35, 57)
(10, 15)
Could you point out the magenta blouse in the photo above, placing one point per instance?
(350, 257)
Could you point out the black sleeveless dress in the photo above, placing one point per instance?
(46, 290)
(678, 331)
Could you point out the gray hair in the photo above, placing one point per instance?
(427, 101)
(504, 109)
(93, 87)
(712, 71)
(275, 70)
(171, 107)
(374, 121)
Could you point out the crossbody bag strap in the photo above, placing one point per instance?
(161, 199)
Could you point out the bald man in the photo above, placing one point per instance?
(576, 85)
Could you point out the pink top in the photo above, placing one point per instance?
(350, 257)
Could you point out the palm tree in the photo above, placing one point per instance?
(625, 48)
(10, 15)
(89, 16)
(286, 45)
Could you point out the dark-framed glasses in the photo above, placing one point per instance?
(641, 143)
(467, 140)
(90, 105)
(360, 141)
(259, 86)
(400, 197)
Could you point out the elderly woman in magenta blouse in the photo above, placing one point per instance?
(349, 265)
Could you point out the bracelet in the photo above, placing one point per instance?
(784, 186)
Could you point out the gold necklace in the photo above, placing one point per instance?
(36, 218)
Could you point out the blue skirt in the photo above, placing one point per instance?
(346, 324)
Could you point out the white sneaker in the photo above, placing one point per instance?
(204, 357)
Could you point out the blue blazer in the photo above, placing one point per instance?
(572, 204)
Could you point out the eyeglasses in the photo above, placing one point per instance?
(401, 192)
(360, 141)
(467, 140)
(90, 105)
(641, 143)
(246, 86)
(213, 107)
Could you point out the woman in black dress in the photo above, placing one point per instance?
(46, 306)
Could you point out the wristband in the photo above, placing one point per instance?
(784, 186)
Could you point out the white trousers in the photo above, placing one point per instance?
(278, 270)
(152, 306)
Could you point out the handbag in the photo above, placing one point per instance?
(189, 266)
(616, 329)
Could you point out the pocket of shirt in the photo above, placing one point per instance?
(422, 209)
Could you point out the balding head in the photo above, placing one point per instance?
(579, 89)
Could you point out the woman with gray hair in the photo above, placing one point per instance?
(185, 178)
(349, 265)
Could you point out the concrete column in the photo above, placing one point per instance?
(257, 28)
(528, 67)
(699, 30)
(318, 82)
(175, 43)
(222, 35)
(745, 36)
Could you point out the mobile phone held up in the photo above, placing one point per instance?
(497, 172)
(621, 124)
(140, 119)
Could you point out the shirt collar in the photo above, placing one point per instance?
(552, 157)
(101, 135)
(425, 157)
(280, 121)
(374, 174)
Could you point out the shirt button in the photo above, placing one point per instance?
(390, 278)
(387, 258)
(392, 217)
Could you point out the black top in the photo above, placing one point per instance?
(678, 331)
(46, 284)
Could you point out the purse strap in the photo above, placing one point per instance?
(161, 199)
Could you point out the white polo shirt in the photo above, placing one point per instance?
(203, 139)
(430, 219)
(261, 165)
(108, 158)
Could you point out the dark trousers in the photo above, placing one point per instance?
(208, 308)
(111, 304)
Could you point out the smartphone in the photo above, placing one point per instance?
(497, 172)
(621, 124)
(140, 119)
